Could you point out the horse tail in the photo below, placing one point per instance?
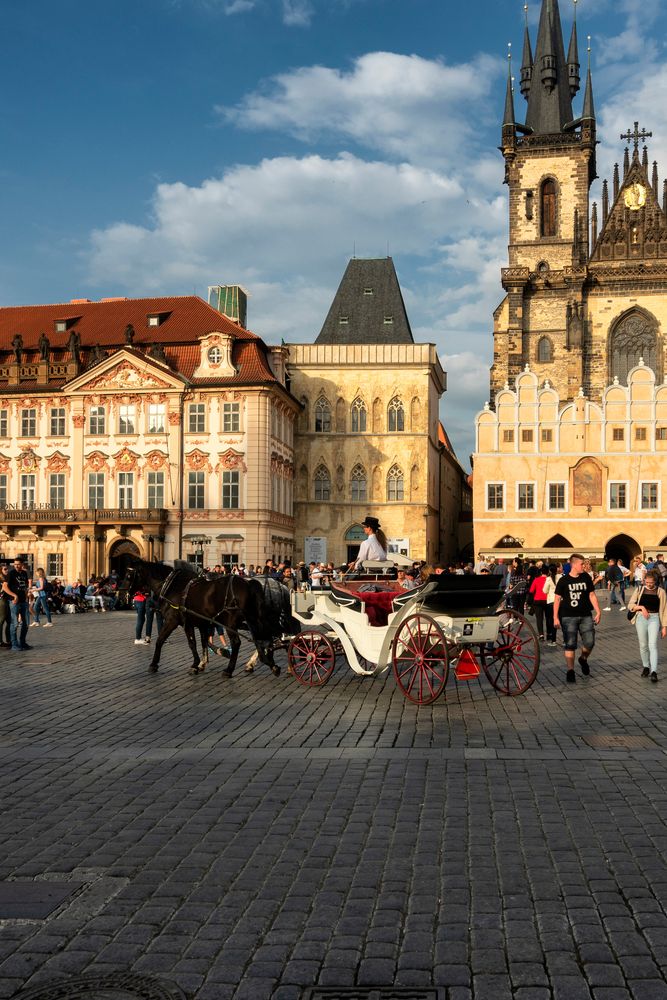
(255, 617)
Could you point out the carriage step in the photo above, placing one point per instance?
(467, 668)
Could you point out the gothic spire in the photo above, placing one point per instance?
(550, 100)
(526, 62)
(573, 58)
(509, 117)
(588, 112)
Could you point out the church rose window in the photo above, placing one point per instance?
(548, 208)
(635, 337)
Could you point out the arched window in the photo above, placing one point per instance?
(322, 483)
(358, 484)
(548, 208)
(633, 338)
(395, 487)
(323, 416)
(395, 415)
(545, 352)
(358, 416)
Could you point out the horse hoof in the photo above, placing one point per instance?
(152, 669)
(275, 671)
(227, 672)
(193, 671)
(250, 670)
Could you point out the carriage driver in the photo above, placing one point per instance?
(374, 546)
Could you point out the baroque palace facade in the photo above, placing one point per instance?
(570, 451)
(144, 427)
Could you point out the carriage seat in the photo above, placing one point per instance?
(378, 605)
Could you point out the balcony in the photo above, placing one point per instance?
(44, 513)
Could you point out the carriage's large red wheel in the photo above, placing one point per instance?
(421, 660)
(311, 657)
(511, 663)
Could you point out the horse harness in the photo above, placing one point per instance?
(183, 608)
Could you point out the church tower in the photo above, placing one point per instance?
(550, 165)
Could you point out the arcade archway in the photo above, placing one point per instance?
(622, 547)
(120, 554)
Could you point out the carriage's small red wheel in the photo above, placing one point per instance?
(511, 663)
(420, 657)
(311, 657)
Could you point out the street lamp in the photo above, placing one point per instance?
(199, 543)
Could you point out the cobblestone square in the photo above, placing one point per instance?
(249, 838)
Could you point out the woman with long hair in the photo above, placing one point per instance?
(649, 605)
(374, 546)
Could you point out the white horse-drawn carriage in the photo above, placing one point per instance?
(457, 622)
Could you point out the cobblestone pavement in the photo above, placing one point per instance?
(248, 838)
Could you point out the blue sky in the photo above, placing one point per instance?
(159, 146)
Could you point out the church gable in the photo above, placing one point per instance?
(636, 227)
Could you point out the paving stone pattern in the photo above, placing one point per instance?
(251, 839)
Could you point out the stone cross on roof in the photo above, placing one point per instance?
(637, 136)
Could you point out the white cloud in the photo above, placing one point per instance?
(404, 106)
(240, 6)
(297, 13)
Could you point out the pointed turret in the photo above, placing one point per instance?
(573, 62)
(526, 65)
(588, 112)
(550, 100)
(509, 117)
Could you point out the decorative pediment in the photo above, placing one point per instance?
(5, 464)
(198, 461)
(126, 371)
(127, 461)
(97, 461)
(28, 461)
(57, 462)
(636, 227)
(156, 460)
(230, 460)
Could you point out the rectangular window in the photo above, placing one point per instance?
(527, 437)
(97, 420)
(556, 496)
(618, 434)
(57, 421)
(95, 490)
(617, 496)
(3, 491)
(640, 433)
(127, 420)
(230, 491)
(126, 490)
(231, 418)
(547, 436)
(661, 434)
(54, 565)
(197, 418)
(508, 437)
(496, 496)
(649, 496)
(4, 423)
(156, 419)
(155, 489)
(57, 490)
(196, 490)
(526, 496)
(27, 491)
(28, 423)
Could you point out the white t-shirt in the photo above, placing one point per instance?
(370, 549)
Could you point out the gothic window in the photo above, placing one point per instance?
(322, 483)
(633, 338)
(548, 208)
(545, 352)
(358, 485)
(395, 416)
(358, 416)
(323, 416)
(395, 486)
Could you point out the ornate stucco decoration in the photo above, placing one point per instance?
(215, 357)
(230, 460)
(27, 461)
(156, 460)
(126, 461)
(198, 461)
(97, 461)
(57, 462)
(126, 376)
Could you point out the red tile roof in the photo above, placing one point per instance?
(186, 318)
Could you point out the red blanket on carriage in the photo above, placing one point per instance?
(378, 606)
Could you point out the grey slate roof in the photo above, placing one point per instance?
(549, 105)
(366, 311)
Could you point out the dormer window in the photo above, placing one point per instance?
(157, 319)
(368, 291)
(214, 355)
(388, 320)
(61, 326)
(344, 320)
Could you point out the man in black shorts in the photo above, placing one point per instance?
(577, 611)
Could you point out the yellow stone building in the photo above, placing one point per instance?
(578, 365)
(152, 427)
(367, 440)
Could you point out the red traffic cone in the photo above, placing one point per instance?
(467, 667)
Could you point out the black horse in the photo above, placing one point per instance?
(196, 602)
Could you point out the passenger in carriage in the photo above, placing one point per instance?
(374, 546)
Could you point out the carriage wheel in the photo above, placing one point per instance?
(421, 660)
(311, 657)
(511, 663)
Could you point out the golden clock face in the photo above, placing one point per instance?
(635, 197)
